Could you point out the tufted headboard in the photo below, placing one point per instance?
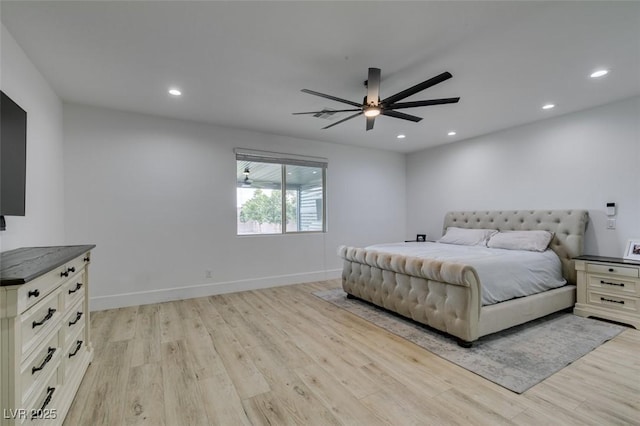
(568, 227)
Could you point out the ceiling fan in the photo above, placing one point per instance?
(372, 106)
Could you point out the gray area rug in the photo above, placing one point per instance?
(517, 358)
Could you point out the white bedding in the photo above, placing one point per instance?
(504, 274)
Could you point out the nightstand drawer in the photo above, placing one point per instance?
(614, 285)
(613, 270)
(613, 302)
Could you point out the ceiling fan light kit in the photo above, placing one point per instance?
(372, 112)
(372, 106)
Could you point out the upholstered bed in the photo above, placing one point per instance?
(446, 295)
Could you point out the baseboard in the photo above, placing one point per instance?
(99, 303)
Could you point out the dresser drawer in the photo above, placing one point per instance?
(73, 354)
(616, 302)
(38, 366)
(73, 321)
(43, 409)
(38, 321)
(76, 265)
(73, 289)
(623, 271)
(613, 284)
(34, 291)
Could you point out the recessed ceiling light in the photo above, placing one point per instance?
(548, 106)
(175, 92)
(452, 133)
(401, 136)
(599, 73)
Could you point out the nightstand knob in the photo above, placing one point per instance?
(611, 269)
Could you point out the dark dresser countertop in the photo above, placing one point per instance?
(22, 265)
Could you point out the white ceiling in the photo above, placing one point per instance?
(242, 64)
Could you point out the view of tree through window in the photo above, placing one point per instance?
(263, 208)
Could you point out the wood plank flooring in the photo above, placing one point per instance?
(281, 356)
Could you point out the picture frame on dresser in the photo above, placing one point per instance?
(632, 250)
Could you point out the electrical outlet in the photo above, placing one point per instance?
(611, 224)
(208, 274)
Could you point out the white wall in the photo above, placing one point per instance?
(43, 223)
(581, 160)
(157, 197)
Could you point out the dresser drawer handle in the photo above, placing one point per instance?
(604, 299)
(78, 287)
(66, 273)
(611, 270)
(50, 313)
(608, 283)
(87, 259)
(78, 316)
(50, 353)
(33, 293)
(75, 352)
(50, 391)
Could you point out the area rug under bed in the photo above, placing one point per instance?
(517, 358)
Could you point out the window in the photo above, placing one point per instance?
(279, 193)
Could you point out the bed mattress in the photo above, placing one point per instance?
(503, 274)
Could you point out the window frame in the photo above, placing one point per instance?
(284, 160)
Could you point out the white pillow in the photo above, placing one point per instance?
(466, 236)
(521, 240)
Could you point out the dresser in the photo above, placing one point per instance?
(609, 288)
(45, 347)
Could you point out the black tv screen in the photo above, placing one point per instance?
(13, 157)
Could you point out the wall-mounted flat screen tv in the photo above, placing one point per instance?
(13, 157)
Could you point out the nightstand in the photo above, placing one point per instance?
(609, 288)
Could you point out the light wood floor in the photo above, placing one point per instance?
(282, 356)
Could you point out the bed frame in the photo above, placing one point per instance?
(446, 295)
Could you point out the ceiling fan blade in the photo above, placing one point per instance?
(370, 121)
(417, 88)
(327, 111)
(343, 120)
(401, 115)
(373, 87)
(423, 103)
(333, 98)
